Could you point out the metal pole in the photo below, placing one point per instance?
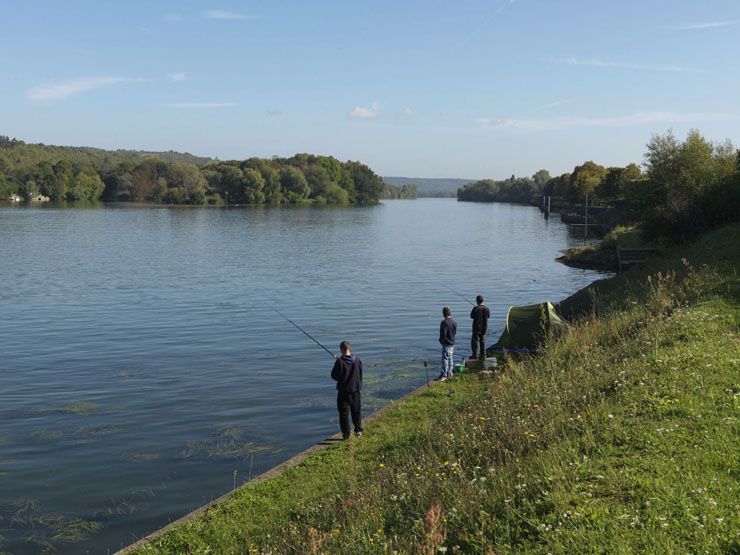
(585, 229)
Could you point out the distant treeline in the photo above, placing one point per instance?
(520, 190)
(686, 187)
(72, 173)
(395, 192)
(430, 186)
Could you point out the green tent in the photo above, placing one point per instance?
(527, 327)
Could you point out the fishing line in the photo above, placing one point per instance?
(312, 338)
(459, 295)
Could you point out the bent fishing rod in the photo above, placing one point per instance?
(312, 338)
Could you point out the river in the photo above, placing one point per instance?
(143, 371)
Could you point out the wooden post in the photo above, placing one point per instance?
(585, 229)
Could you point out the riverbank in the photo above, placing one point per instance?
(602, 256)
(623, 435)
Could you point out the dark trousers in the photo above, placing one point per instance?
(349, 403)
(478, 340)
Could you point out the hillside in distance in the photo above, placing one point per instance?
(19, 155)
(431, 186)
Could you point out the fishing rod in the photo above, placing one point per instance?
(460, 295)
(312, 338)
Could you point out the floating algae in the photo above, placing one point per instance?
(127, 504)
(234, 432)
(80, 409)
(140, 457)
(224, 449)
(44, 530)
(228, 444)
(97, 430)
(47, 435)
(316, 402)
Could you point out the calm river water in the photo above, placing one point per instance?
(143, 372)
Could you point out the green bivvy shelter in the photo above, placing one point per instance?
(527, 327)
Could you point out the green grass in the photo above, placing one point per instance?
(622, 438)
(627, 237)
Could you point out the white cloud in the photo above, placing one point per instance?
(222, 14)
(629, 120)
(708, 25)
(201, 105)
(408, 111)
(557, 103)
(623, 65)
(362, 112)
(65, 89)
(181, 76)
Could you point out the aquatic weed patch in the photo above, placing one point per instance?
(140, 457)
(25, 519)
(80, 409)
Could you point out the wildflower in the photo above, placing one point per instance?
(381, 465)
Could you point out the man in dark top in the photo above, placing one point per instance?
(480, 315)
(447, 331)
(347, 372)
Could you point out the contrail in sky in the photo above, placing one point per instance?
(485, 22)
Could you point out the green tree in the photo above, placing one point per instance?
(367, 185)
(272, 187)
(252, 185)
(189, 178)
(540, 178)
(318, 180)
(679, 175)
(612, 187)
(294, 185)
(584, 180)
(86, 185)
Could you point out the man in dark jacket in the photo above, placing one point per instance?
(447, 331)
(347, 372)
(480, 315)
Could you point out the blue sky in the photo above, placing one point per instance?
(469, 88)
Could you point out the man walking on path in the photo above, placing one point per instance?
(347, 372)
(480, 315)
(447, 331)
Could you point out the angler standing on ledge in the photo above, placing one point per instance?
(347, 372)
(447, 331)
(480, 315)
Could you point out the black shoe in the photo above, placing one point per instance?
(359, 434)
(345, 437)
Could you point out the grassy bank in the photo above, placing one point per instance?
(603, 255)
(622, 438)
